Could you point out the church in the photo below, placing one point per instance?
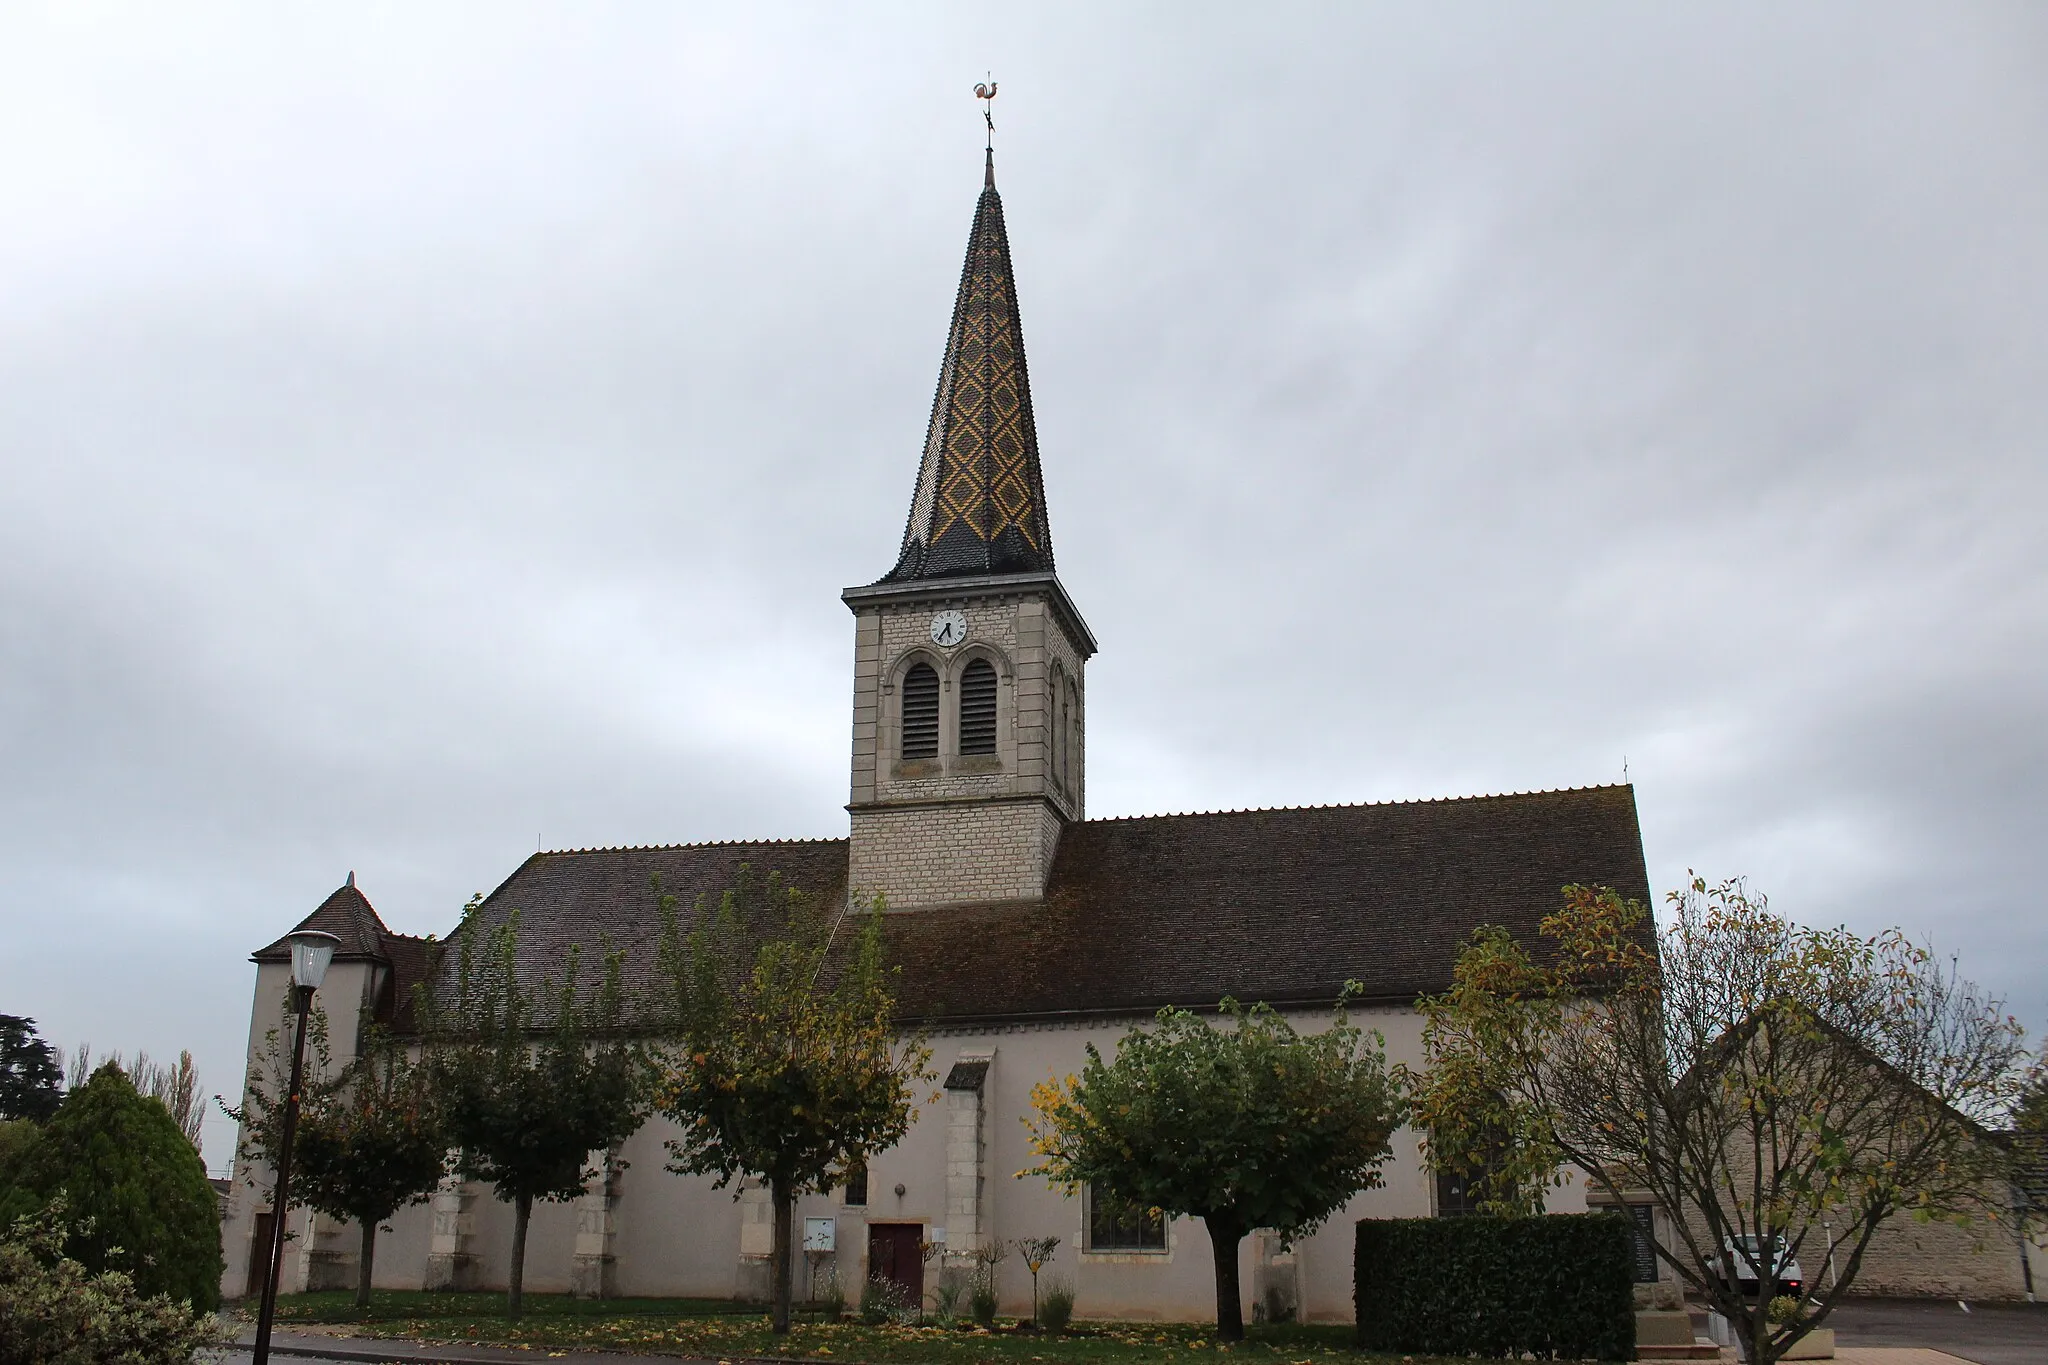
(1024, 929)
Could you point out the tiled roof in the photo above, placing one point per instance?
(349, 916)
(1276, 905)
(979, 504)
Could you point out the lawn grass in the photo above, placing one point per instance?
(728, 1332)
(391, 1305)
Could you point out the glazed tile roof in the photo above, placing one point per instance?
(1277, 905)
(979, 504)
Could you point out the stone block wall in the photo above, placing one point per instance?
(1941, 1260)
(953, 854)
(1023, 640)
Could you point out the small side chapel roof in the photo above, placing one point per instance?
(979, 503)
(1283, 906)
(349, 916)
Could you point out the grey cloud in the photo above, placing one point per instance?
(424, 433)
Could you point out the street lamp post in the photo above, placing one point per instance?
(312, 950)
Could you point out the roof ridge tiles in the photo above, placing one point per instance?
(1362, 805)
(672, 848)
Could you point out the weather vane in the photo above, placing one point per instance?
(986, 93)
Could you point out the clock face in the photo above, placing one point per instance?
(949, 628)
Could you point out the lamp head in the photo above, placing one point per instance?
(312, 950)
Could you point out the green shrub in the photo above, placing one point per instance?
(136, 1196)
(1056, 1305)
(56, 1312)
(982, 1302)
(1554, 1286)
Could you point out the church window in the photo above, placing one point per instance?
(857, 1186)
(921, 712)
(1069, 705)
(1459, 1193)
(978, 708)
(1119, 1225)
(1456, 1196)
(1056, 705)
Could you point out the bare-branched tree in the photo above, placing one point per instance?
(174, 1085)
(1781, 1091)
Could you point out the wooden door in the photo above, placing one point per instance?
(895, 1252)
(259, 1256)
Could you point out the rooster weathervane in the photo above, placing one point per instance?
(985, 91)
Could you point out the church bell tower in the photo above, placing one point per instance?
(968, 687)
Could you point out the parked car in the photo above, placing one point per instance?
(1741, 1254)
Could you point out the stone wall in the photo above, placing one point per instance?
(1908, 1258)
(948, 854)
(1941, 1260)
(1023, 640)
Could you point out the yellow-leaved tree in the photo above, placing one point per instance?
(1782, 1091)
(783, 1060)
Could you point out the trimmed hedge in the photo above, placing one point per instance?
(1557, 1286)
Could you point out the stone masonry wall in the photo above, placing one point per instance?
(1021, 637)
(1908, 1257)
(937, 855)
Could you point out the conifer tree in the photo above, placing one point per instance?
(31, 1082)
(136, 1198)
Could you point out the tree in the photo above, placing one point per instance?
(2031, 1115)
(530, 1080)
(369, 1141)
(31, 1082)
(786, 1064)
(1246, 1126)
(135, 1194)
(177, 1086)
(1758, 1078)
(56, 1311)
(2030, 1164)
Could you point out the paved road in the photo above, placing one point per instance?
(1989, 1334)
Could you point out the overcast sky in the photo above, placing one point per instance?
(427, 435)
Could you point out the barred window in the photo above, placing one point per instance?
(978, 708)
(1456, 1196)
(921, 712)
(1118, 1225)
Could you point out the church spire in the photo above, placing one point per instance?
(979, 505)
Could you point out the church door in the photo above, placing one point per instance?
(259, 1256)
(895, 1253)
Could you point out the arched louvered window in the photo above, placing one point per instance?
(978, 708)
(921, 712)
